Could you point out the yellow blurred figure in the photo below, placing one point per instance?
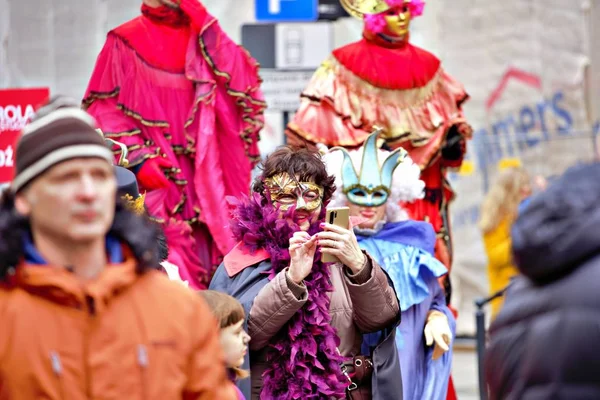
(498, 212)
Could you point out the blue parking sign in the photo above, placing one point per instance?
(287, 10)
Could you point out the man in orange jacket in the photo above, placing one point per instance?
(84, 312)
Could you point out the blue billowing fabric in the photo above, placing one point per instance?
(411, 233)
(404, 250)
(32, 255)
(418, 265)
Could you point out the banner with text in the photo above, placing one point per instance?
(16, 108)
(528, 102)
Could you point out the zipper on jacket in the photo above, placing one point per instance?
(91, 313)
(91, 305)
(142, 358)
(57, 368)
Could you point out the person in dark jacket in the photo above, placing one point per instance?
(545, 343)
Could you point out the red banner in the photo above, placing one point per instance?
(16, 108)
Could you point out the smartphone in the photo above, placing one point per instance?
(338, 216)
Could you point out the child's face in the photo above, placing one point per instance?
(234, 341)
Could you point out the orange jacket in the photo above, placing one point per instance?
(120, 336)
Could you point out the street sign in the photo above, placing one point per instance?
(331, 10)
(302, 46)
(289, 46)
(282, 88)
(287, 10)
(17, 106)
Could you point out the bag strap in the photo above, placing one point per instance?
(352, 386)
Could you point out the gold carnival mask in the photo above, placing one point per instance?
(288, 192)
(397, 17)
(398, 21)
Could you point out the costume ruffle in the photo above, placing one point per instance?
(340, 109)
(210, 129)
(228, 103)
(227, 66)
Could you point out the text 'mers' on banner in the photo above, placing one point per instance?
(17, 106)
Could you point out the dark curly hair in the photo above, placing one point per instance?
(304, 162)
(137, 232)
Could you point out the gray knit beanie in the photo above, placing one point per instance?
(59, 132)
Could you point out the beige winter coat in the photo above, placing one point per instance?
(361, 303)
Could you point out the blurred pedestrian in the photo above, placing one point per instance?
(545, 343)
(498, 212)
(85, 313)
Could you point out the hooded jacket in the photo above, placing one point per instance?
(123, 335)
(545, 343)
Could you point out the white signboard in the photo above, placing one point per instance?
(302, 46)
(272, 135)
(282, 88)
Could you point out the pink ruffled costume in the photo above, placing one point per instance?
(170, 83)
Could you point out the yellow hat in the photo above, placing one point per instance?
(358, 8)
(506, 163)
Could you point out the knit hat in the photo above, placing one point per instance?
(54, 136)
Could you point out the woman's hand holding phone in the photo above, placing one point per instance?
(341, 243)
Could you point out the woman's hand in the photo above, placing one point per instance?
(342, 244)
(302, 255)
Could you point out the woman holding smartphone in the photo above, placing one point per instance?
(314, 325)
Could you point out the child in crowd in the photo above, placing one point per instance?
(234, 339)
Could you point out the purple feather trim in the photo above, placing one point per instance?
(303, 361)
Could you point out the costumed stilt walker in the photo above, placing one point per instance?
(384, 81)
(186, 101)
(129, 193)
(404, 249)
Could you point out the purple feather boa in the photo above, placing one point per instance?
(303, 361)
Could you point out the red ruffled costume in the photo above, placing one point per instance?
(171, 84)
(400, 88)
